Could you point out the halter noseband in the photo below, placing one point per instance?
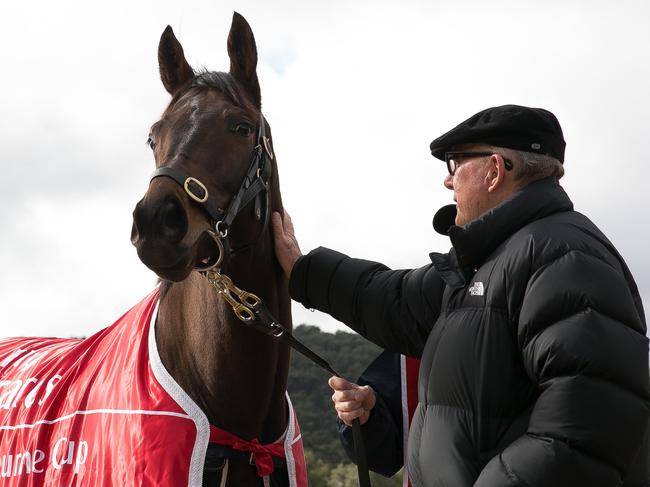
(255, 185)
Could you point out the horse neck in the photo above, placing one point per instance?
(237, 375)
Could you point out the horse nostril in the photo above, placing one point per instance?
(172, 220)
(138, 222)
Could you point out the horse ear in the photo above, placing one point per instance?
(243, 56)
(174, 69)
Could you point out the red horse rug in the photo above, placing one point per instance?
(104, 411)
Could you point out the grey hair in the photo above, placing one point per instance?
(530, 166)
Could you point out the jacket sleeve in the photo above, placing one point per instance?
(382, 434)
(393, 309)
(583, 343)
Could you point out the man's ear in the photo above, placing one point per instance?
(495, 177)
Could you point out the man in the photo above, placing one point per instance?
(531, 332)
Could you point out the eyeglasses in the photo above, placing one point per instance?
(455, 159)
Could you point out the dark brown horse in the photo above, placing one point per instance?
(209, 132)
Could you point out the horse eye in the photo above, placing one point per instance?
(151, 143)
(243, 129)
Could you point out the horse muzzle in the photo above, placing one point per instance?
(168, 243)
(159, 231)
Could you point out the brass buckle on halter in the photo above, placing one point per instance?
(191, 184)
(267, 147)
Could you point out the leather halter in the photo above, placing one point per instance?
(256, 182)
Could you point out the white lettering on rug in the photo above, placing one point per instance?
(65, 453)
(23, 391)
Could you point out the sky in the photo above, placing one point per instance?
(354, 93)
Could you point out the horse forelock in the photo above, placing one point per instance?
(219, 81)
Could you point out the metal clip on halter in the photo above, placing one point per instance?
(242, 302)
(221, 233)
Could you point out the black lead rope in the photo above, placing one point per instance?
(266, 324)
(360, 452)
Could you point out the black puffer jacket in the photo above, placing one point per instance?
(532, 336)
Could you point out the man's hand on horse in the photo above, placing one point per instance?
(351, 400)
(287, 249)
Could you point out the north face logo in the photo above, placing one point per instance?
(476, 289)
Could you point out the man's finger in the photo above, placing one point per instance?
(345, 395)
(287, 223)
(276, 223)
(348, 406)
(367, 396)
(340, 384)
(348, 418)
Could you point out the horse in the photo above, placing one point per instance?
(178, 391)
(206, 138)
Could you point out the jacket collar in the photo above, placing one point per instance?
(474, 242)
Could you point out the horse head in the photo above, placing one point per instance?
(210, 145)
(207, 207)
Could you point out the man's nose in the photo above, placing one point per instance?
(449, 181)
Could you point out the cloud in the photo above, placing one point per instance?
(354, 94)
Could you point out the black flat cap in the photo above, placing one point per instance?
(510, 126)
